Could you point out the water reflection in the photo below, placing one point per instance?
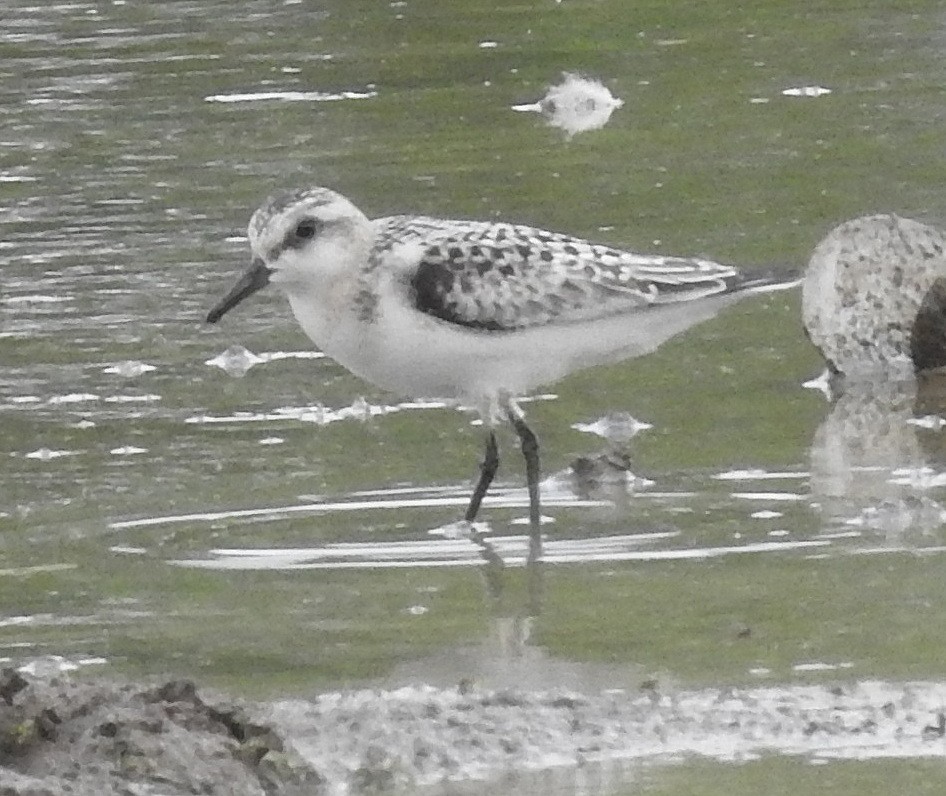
(504, 551)
(870, 468)
(869, 474)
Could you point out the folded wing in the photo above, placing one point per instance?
(501, 276)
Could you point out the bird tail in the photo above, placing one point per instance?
(769, 280)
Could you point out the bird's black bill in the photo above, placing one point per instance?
(254, 279)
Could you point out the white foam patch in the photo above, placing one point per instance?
(821, 383)
(934, 422)
(757, 475)
(147, 398)
(806, 91)
(820, 666)
(73, 398)
(129, 369)
(51, 665)
(127, 450)
(618, 427)
(918, 478)
(291, 96)
(47, 454)
(578, 104)
(777, 497)
(237, 360)
(36, 298)
(318, 414)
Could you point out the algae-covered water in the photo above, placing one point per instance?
(270, 533)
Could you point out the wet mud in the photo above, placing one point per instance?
(102, 736)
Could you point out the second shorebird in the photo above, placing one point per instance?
(479, 312)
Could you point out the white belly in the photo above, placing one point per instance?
(417, 355)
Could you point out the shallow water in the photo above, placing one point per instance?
(289, 530)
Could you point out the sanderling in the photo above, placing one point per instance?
(478, 312)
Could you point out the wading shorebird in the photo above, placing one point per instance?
(473, 311)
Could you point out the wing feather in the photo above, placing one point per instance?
(496, 276)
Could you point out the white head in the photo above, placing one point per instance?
(300, 240)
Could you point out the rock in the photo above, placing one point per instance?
(874, 298)
(106, 737)
(11, 683)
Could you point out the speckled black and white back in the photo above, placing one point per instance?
(499, 277)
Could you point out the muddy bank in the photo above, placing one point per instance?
(103, 737)
(99, 736)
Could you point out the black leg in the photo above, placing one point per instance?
(487, 472)
(530, 450)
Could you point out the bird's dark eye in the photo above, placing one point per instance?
(307, 228)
